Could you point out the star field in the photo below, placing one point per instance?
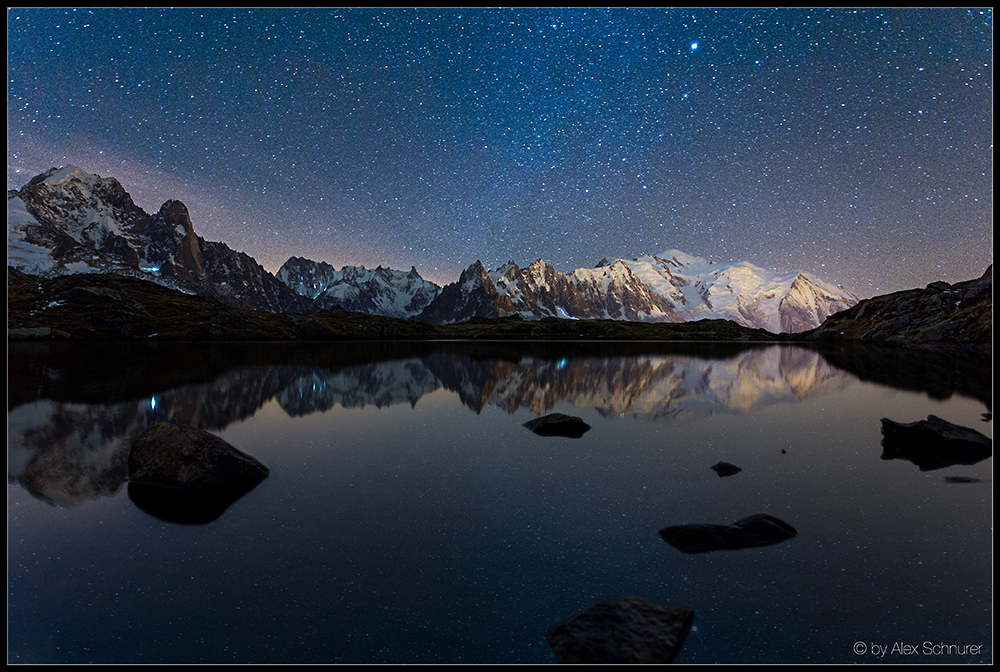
(855, 144)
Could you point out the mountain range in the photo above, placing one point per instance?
(67, 221)
(381, 291)
(668, 287)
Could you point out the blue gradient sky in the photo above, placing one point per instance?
(855, 144)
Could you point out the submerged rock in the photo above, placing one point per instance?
(188, 458)
(756, 530)
(726, 469)
(622, 630)
(558, 424)
(933, 443)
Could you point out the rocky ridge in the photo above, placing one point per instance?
(67, 221)
(379, 291)
(670, 287)
(941, 313)
(91, 306)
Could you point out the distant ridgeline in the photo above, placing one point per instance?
(669, 287)
(67, 222)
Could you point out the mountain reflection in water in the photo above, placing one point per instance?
(411, 517)
(70, 442)
(653, 387)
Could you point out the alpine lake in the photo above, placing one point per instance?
(410, 517)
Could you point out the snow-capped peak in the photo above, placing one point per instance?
(62, 174)
(673, 286)
(56, 176)
(380, 291)
(690, 264)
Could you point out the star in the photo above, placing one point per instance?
(412, 137)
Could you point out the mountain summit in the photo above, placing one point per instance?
(668, 287)
(69, 221)
(379, 291)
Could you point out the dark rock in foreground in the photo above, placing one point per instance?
(756, 530)
(725, 469)
(186, 475)
(187, 458)
(933, 443)
(961, 479)
(622, 630)
(558, 424)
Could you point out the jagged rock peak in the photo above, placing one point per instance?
(474, 271)
(509, 270)
(379, 291)
(67, 221)
(175, 214)
(175, 207)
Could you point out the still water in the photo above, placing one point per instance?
(409, 517)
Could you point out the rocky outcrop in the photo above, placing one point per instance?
(67, 221)
(959, 314)
(622, 630)
(171, 245)
(188, 458)
(186, 475)
(379, 291)
(756, 530)
(474, 295)
(558, 424)
(933, 443)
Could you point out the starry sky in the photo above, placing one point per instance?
(854, 144)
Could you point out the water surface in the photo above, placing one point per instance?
(410, 517)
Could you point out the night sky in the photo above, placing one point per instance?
(855, 144)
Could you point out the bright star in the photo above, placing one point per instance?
(694, 45)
